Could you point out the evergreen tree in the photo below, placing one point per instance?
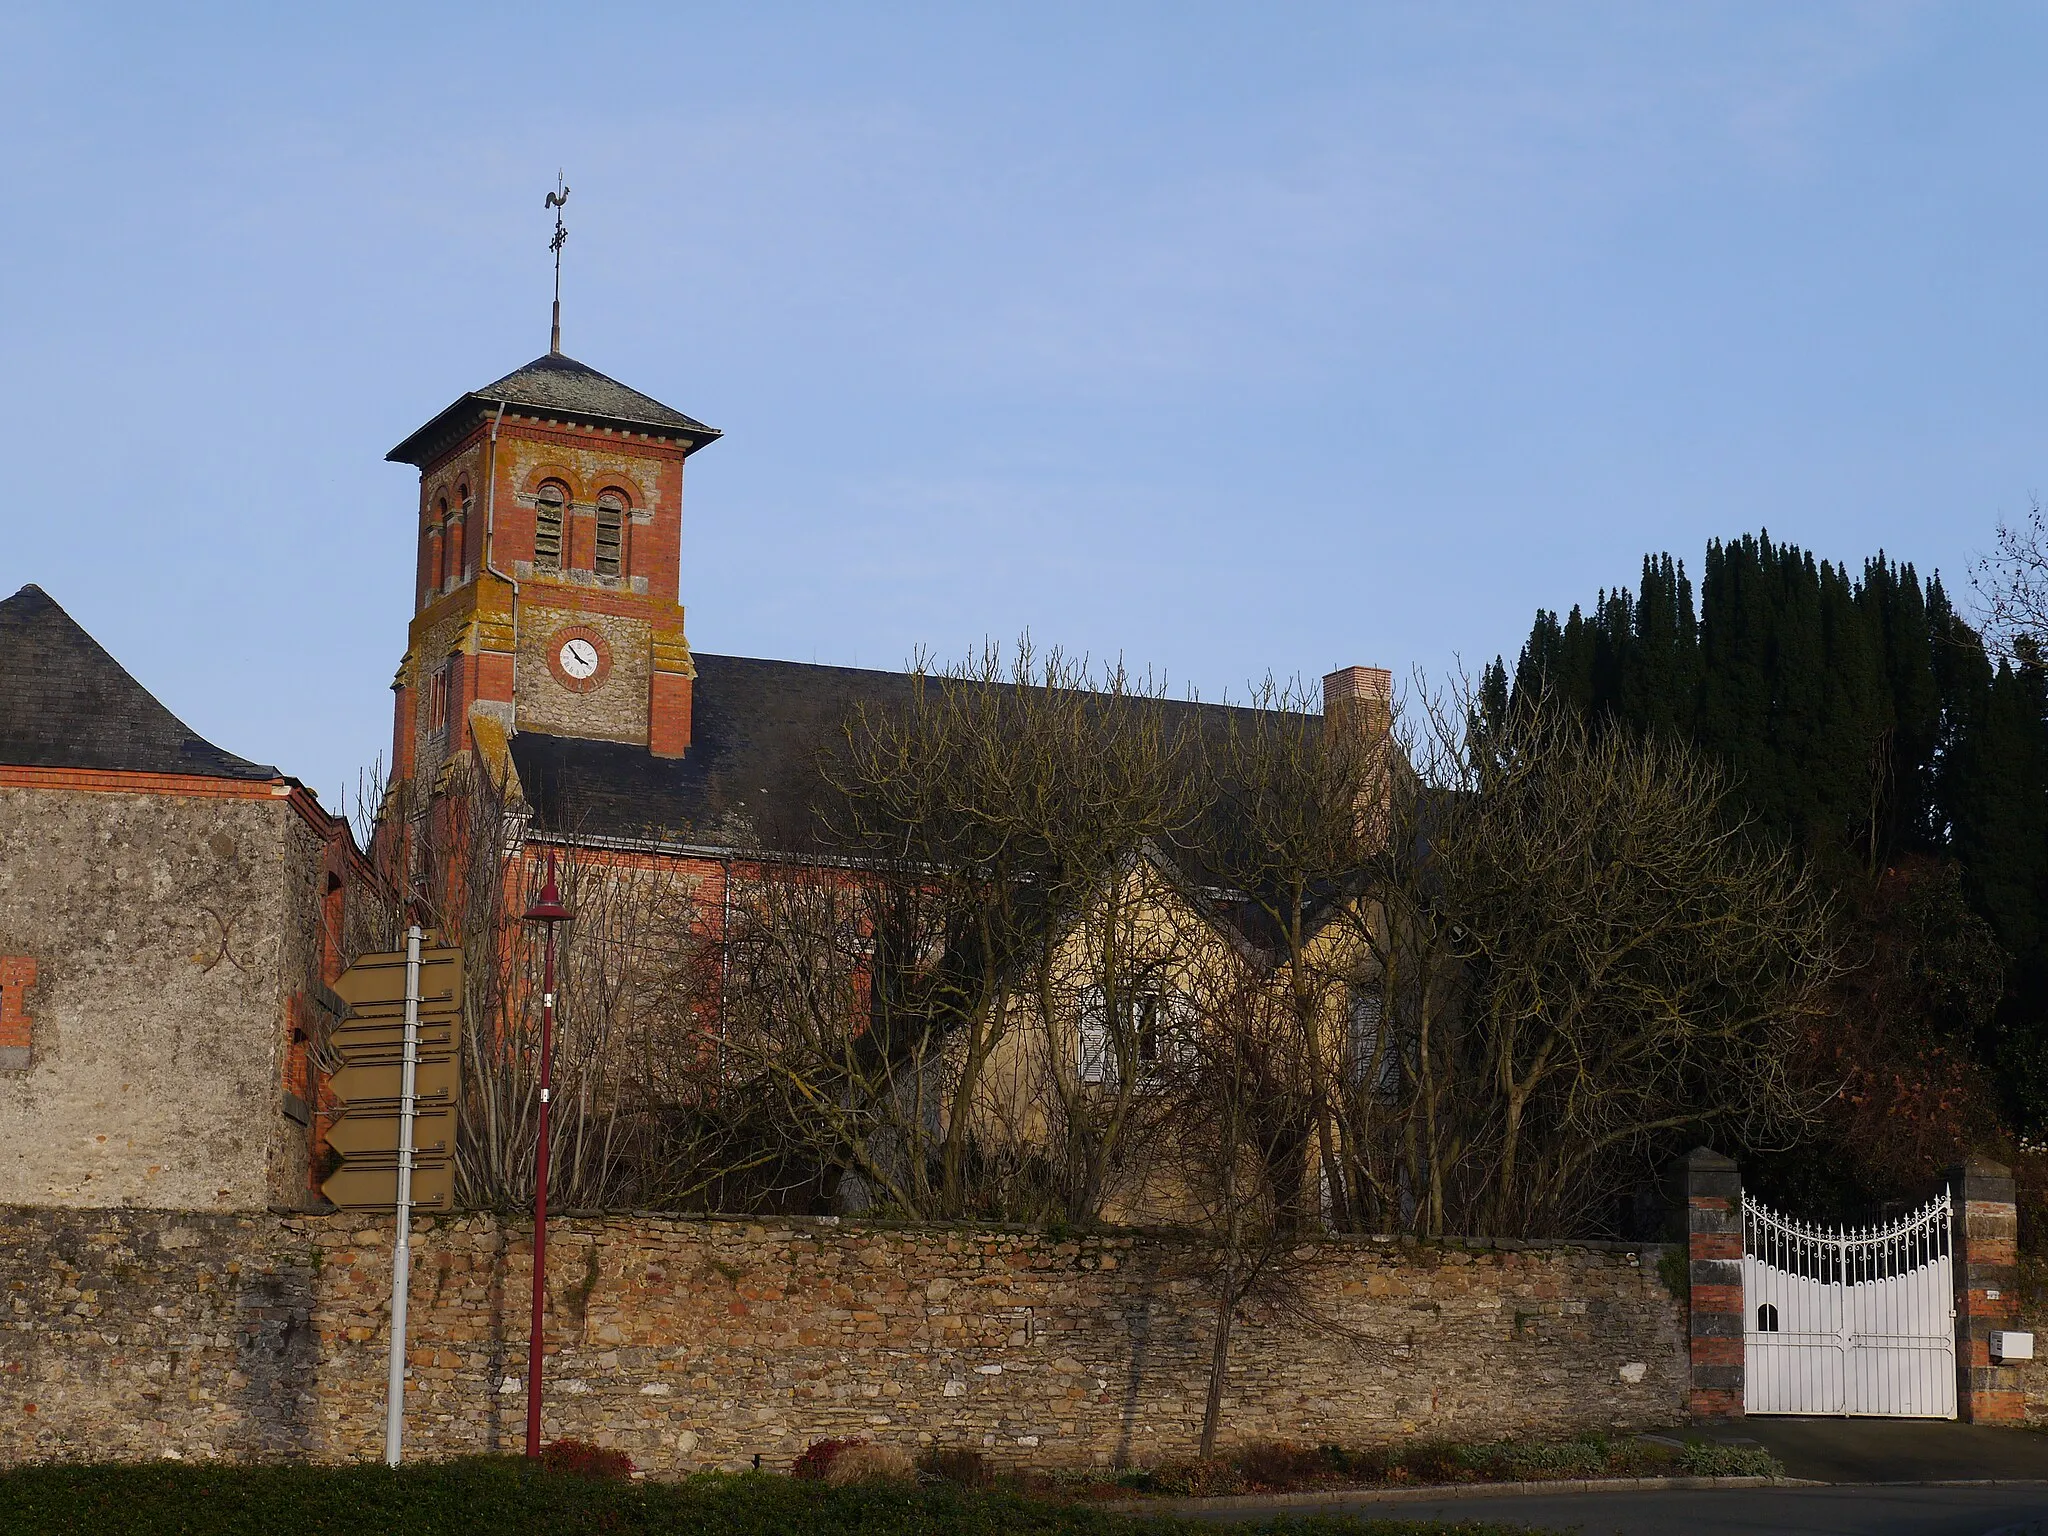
(1862, 719)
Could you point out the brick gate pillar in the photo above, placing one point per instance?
(1713, 1232)
(1987, 1238)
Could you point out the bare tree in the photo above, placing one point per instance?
(1584, 952)
(1299, 803)
(2012, 587)
(459, 861)
(1026, 793)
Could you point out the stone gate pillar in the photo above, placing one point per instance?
(1713, 1231)
(1986, 1264)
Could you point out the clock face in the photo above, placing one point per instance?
(578, 658)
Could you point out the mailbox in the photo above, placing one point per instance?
(2008, 1346)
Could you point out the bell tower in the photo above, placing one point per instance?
(546, 595)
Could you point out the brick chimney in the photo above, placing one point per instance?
(1360, 702)
(1360, 699)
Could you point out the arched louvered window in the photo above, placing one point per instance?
(549, 508)
(611, 534)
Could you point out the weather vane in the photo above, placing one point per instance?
(555, 200)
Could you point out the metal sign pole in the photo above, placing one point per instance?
(547, 911)
(401, 1249)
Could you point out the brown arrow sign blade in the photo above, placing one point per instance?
(379, 1082)
(380, 1042)
(376, 1189)
(379, 979)
(359, 1136)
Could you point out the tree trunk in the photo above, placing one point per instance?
(1219, 1351)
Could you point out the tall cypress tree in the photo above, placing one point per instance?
(1860, 717)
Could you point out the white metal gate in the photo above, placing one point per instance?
(1848, 1321)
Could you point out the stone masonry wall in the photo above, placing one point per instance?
(167, 932)
(697, 1344)
(614, 711)
(139, 1334)
(2033, 1376)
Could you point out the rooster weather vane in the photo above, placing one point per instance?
(555, 200)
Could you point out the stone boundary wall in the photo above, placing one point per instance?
(694, 1343)
(2033, 1315)
(138, 1334)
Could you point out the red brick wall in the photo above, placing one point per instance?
(669, 714)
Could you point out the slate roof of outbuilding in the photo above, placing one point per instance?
(66, 703)
(560, 386)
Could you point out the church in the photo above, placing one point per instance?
(547, 647)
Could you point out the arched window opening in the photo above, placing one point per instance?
(1767, 1318)
(611, 533)
(452, 551)
(437, 549)
(463, 546)
(548, 509)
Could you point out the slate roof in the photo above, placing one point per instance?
(562, 387)
(65, 703)
(750, 779)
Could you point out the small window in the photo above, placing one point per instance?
(1149, 1009)
(1767, 1318)
(1092, 1047)
(1157, 1029)
(331, 936)
(437, 702)
(1372, 1053)
(548, 508)
(611, 533)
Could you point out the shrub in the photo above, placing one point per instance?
(1589, 1457)
(1701, 1459)
(1433, 1461)
(1277, 1464)
(582, 1459)
(955, 1464)
(865, 1461)
(1199, 1479)
(817, 1459)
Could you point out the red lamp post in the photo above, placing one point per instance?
(549, 911)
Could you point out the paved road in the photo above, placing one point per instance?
(1891, 1450)
(1729, 1511)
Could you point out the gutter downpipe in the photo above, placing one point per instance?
(491, 554)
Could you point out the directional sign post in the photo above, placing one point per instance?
(395, 1116)
(369, 1087)
(401, 1250)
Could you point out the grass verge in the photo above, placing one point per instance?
(503, 1496)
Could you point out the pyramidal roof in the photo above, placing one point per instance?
(559, 386)
(65, 703)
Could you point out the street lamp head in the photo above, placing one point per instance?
(548, 908)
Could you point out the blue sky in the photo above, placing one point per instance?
(1227, 339)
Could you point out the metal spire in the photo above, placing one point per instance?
(555, 200)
